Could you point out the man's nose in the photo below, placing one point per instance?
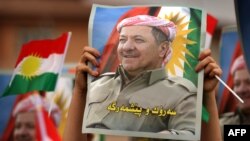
(128, 45)
(242, 89)
(23, 130)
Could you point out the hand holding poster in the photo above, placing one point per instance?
(155, 91)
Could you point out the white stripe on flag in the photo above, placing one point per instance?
(51, 64)
(208, 40)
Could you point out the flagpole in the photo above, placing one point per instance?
(217, 77)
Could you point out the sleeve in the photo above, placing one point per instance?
(228, 118)
(183, 123)
(184, 120)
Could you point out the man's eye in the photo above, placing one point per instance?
(139, 40)
(17, 126)
(30, 126)
(236, 84)
(122, 40)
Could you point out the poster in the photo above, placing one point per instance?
(151, 110)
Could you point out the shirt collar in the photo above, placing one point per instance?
(152, 76)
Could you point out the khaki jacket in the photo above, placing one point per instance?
(133, 107)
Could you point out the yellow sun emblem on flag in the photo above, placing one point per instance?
(178, 45)
(30, 66)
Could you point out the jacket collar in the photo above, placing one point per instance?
(152, 76)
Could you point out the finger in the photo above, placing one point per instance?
(92, 51)
(203, 63)
(210, 67)
(216, 71)
(88, 57)
(204, 54)
(84, 68)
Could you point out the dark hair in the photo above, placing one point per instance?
(159, 35)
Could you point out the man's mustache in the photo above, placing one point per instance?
(130, 54)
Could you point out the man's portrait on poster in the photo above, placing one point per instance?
(140, 95)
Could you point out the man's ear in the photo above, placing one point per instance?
(163, 48)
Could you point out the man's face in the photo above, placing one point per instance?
(25, 127)
(138, 50)
(242, 88)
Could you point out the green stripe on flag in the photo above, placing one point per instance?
(190, 73)
(21, 84)
(195, 35)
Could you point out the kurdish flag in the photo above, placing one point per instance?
(38, 65)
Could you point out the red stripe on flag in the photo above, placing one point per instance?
(43, 48)
(211, 24)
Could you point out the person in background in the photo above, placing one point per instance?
(32, 121)
(241, 86)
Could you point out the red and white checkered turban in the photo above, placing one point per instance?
(239, 63)
(36, 102)
(164, 25)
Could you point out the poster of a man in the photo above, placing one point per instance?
(153, 90)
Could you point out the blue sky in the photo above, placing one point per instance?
(104, 22)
